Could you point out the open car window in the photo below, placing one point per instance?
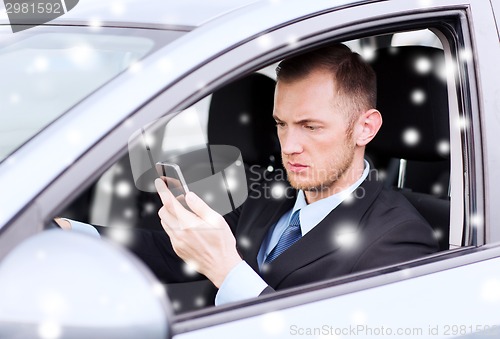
(408, 156)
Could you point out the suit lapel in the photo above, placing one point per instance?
(257, 224)
(326, 237)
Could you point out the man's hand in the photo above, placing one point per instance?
(202, 238)
(64, 224)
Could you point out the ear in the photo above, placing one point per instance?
(367, 126)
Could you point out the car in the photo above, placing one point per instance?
(88, 98)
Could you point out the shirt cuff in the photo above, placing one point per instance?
(241, 283)
(81, 227)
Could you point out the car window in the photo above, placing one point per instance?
(119, 201)
(46, 71)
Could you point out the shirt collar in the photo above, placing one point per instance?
(312, 214)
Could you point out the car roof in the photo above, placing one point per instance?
(147, 14)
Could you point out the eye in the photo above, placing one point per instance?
(280, 124)
(310, 127)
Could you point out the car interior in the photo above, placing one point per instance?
(410, 153)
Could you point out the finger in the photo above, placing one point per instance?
(170, 220)
(172, 182)
(163, 191)
(63, 223)
(200, 208)
(169, 201)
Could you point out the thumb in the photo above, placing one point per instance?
(200, 208)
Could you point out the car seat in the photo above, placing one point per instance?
(412, 147)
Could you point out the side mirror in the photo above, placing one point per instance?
(61, 284)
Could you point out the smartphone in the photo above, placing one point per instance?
(172, 175)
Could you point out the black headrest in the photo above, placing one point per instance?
(413, 100)
(241, 115)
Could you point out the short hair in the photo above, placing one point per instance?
(354, 79)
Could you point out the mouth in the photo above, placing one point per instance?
(296, 167)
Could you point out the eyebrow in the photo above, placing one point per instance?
(303, 121)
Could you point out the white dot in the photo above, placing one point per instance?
(264, 41)
(129, 123)
(165, 65)
(359, 318)
(117, 8)
(41, 64)
(437, 189)
(119, 234)
(15, 98)
(41, 255)
(438, 234)
(443, 147)
(104, 300)
(95, 24)
(158, 290)
(82, 54)
(53, 304)
(106, 187)
(124, 267)
(292, 40)
(270, 168)
(123, 189)
(463, 123)
(425, 3)
(149, 207)
(232, 183)
(208, 197)
(128, 213)
(476, 220)
(244, 119)
(277, 191)
(466, 54)
(74, 137)
(423, 65)
(349, 199)
(245, 242)
(11, 160)
(176, 305)
(393, 50)
(381, 174)
(118, 169)
(368, 53)
(265, 268)
(49, 330)
(190, 117)
(346, 239)
(406, 273)
(135, 67)
(238, 163)
(418, 97)
(490, 291)
(273, 323)
(189, 269)
(199, 302)
(411, 136)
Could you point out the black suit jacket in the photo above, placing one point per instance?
(377, 227)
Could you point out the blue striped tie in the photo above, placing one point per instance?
(290, 236)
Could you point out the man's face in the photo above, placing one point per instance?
(316, 142)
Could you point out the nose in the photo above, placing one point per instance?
(290, 142)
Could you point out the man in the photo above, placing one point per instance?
(325, 115)
(338, 221)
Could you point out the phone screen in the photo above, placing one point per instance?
(172, 176)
